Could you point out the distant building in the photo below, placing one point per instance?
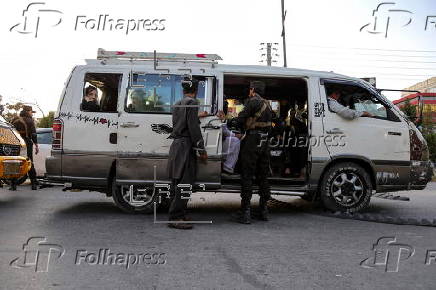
(427, 86)
(426, 99)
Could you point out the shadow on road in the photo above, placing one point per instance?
(100, 208)
(15, 200)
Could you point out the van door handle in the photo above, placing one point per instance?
(335, 131)
(113, 138)
(208, 126)
(129, 125)
(394, 133)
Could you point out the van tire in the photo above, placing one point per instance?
(346, 187)
(121, 203)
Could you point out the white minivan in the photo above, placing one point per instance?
(120, 147)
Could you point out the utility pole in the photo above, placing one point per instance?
(285, 64)
(269, 47)
(268, 54)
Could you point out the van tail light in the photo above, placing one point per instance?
(58, 132)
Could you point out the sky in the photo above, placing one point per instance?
(334, 35)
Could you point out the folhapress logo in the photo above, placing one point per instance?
(37, 254)
(388, 254)
(36, 16)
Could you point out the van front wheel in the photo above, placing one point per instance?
(131, 200)
(346, 187)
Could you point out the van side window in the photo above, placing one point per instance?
(100, 92)
(156, 93)
(358, 98)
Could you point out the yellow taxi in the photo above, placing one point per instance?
(13, 161)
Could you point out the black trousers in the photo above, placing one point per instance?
(29, 145)
(179, 200)
(180, 195)
(255, 162)
(296, 153)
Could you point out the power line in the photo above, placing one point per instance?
(377, 54)
(390, 74)
(389, 67)
(397, 55)
(379, 60)
(402, 79)
(341, 68)
(366, 72)
(397, 67)
(362, 48)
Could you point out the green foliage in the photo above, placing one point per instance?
(429, 132)
(409, 110)
(431, 143)
(47, 121)
(426, 127)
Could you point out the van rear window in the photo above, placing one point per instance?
(151, 93)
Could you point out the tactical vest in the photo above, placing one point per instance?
(252, 123)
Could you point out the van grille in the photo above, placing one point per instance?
(9, 150)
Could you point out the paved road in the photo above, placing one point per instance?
(296, 249)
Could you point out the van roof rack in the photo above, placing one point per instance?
(131, 55)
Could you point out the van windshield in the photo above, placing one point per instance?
(157, 93)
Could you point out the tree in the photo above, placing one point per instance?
(426, 126)
(409, 110)
(431, 143)
(12, 111)
(47, 121)
(429, 133)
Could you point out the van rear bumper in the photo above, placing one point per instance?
(53, 164)
(421, 173)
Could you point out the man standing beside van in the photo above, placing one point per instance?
(256, 119)
(25, 125)
(182, 159)
(341, 110)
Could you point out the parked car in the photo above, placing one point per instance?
(121, 148)
(45, 137)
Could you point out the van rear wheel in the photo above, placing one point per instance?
(346, 187)
(132, 200)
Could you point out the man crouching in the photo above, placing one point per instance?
(182, 159)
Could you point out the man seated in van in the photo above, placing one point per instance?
(333, 101)
(89, 102)
(231, 144)
(137, 102)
